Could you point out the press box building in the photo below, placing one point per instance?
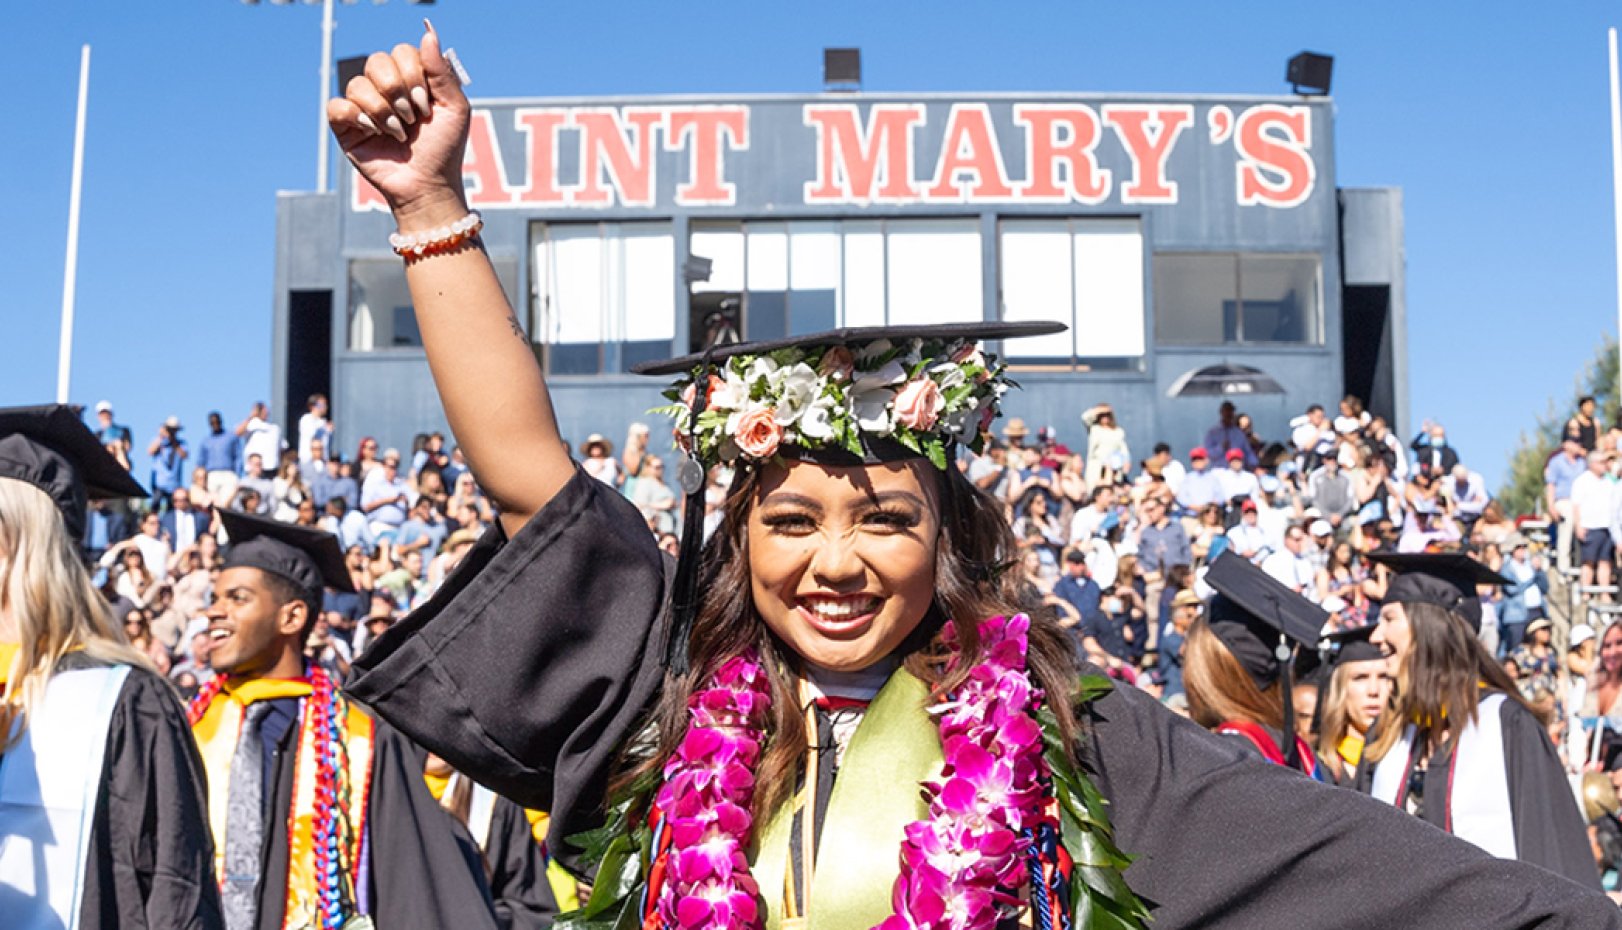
(1170, 233)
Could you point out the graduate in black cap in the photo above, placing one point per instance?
(1461, 748)
(102, 816)
(319, 813)
(747, 732)
(1238, 661)
(1355, 688)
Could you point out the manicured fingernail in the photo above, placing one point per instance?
(426, 24)
(393, 125)
(419, 96)
(402, 106)
(367, 124)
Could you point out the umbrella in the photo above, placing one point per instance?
(1224, 380)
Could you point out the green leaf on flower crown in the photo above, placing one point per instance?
(786, 357)
(673, 411)
(908, 439)
(917, 368)
(935, 448)
(956, 395)
(852, 437)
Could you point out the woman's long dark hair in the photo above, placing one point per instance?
(974, 579)
(1441, 679)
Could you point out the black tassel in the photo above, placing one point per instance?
(693, 477)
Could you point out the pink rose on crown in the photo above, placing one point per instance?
(758, 433)
(837, 364)
(918, 405)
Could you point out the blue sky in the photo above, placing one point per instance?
(1493, 119)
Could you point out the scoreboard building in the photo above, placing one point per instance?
(1170, 233)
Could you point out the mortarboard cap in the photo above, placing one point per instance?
(1250, 611)
(1446, 579)
(50, 448)
(950, 390)
(1351, 645)
(308, 557)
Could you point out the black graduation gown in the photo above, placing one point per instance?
(538, 657)
(422, 873)
(151, 855)
(1549, 829)
(518, 884)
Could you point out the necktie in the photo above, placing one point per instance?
(245, 824)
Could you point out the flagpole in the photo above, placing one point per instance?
(1616, 192)
(64, 361)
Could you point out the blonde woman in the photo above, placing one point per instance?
(101, 788)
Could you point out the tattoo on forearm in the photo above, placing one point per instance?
(512, 320)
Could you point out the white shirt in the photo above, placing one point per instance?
(1239, 484)
(1594, 499)
(1084, 525)
(1243, 537)
(155, 552)
(263, 439)
(312, 426)
(1173, 474)
(1294, 571)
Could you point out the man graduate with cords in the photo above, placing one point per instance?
(319, 813)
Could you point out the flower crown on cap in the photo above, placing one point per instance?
(922, 394)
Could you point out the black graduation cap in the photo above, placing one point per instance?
(50, 448)
(690, 472)
(308, 557)
(1351, 645)
(1262, 622)
(1446, 579)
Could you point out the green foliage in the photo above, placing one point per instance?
(1523, 489)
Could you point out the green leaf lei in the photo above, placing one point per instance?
(622, 848)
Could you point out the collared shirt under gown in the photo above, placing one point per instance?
(539, 656)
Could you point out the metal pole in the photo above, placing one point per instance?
(1616, 189)
(321, 138)
(70, 273)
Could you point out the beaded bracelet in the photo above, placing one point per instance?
(436, 241)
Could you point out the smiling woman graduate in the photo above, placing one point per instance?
(102, 821)
(319, 813)
(834, 716)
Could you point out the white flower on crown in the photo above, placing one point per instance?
(732, 394)
(796, 388)
(960, 424)
(871, 395)
(761, 369)
(874, 350)
(817, 420)
(948, 375)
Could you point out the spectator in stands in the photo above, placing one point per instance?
(1077, 588)
(1593, 509)
(112, 433)
(1353, 418)
(1237, 482)
(1210, 537)
(1246, 538)
(220, 453)
(1467, 490)
(431, 457)
(423, 530)
(1291, 566)
(1432, 450)
(1386, 444)
(1583, 427)
(599, 461)
(385, 497)
(632, 456)
(365, 459)
(1040, 522)
(1122, 627)
(1344, 577)
(183, 524)
(1331, 492)
(1313, 437)
(287, 491)
(1201, 485)
(1161, 543)
(1014, 433)
(1523, 597)
(1186, 607)
(314, 427)
(168, 452)
(1108, 456)
(1166, 465)
(990, 472)
(314, 469)
(348, 525)
(1226, 436)
(260, 437)
(1095, 519)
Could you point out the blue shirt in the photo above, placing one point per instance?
(1200, 488)
(1159, 548)
(414, 529)
(169, 465)
(1171, 660)
(1082, 593)
(220, 451)
(1561, 472)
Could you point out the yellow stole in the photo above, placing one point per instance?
(8, 655)
(217, 732)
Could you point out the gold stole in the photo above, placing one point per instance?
(217, 732)
(877, 794)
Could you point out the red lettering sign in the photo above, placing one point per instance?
(483, 173)
(703, 131)
(604, 146)
(540, 127)
(1060, 140)
(970, 148)
(863, 165)
(1275, 156)
(1149, 133)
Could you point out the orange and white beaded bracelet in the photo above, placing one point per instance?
(436, 241)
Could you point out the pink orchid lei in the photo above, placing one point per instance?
(962, 867)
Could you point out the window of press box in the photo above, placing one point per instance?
(1084, 272)
(605, 295)
(769, 280)
(1218, 299)
(380, 312)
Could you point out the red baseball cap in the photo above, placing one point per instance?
(1198, 453)
(1235, 454)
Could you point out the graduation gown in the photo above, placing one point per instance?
(150, 856)
(419, 872)
(500, 832)
(1548, 829)
(538, 658)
